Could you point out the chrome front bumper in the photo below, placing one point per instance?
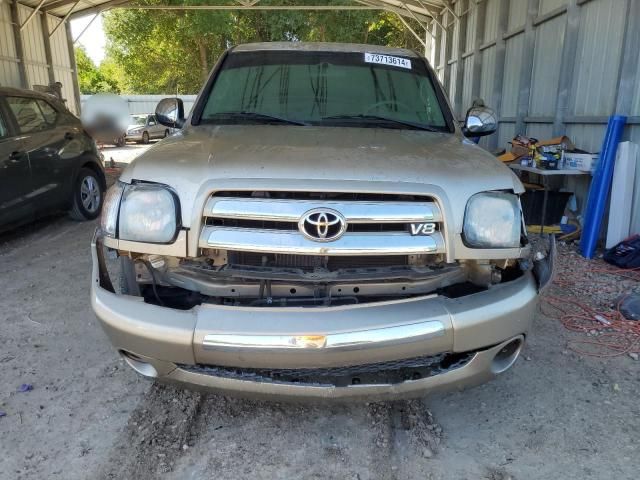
(480, 369)
(161, 338)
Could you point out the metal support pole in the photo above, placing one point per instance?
(448, 39)
(526, 69)
(433, 15)
(74, 67)
(462, 42)
(32, 14)
(414, 16)
(251, 7)
(476, 75)
(628, 65)
(567, 66)
(413, 32)
(451, 8)
(85, 28)
(17, 39)
(498, 73)
(437, 56)
(46, 38)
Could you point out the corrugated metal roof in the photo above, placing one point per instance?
(422, 9)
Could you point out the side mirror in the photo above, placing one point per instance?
(480, 121)
(170, 112)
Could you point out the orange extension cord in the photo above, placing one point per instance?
(615, 334)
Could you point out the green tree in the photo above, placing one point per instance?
(94, 79)
(172, 51)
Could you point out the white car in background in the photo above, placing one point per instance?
(145, 127)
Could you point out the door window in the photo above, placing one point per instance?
(50, 114)
(28, 114)
(152, 120)
(4, 131)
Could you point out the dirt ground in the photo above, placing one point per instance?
(556, 414)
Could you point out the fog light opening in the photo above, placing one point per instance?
(507, 355)
(139, 365)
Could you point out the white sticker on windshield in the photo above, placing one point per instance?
(387, 60)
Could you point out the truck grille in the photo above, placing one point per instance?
(391, 372)
(377, 225)
(314, 261)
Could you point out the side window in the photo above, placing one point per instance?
(152, 120)
(28, 115)
(4, 131)
(50, 114)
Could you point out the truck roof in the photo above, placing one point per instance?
(324, 47)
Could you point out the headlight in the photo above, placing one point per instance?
(492, 219)
(148, 213)
(134, 130)
(141, 213)
(109, 218)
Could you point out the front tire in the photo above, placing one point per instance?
(88, 196)
(145, 137)
(121, 142)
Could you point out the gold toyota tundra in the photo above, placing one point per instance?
(320, 227)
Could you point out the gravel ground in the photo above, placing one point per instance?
(124, 155)
(88, 416)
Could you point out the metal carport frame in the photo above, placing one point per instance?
(35, 50)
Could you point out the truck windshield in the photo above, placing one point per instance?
(324, 88)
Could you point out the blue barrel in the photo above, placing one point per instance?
(600, 185)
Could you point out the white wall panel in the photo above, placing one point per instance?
(466, 85)
(546, 67)
(488, 74)
(452, 81)
(9, 70)
(602, 26)
(587, 137)
(7, 45)
(62, 71)
(510, 83)
(491, 20)
(540, 130)
(471, 26)
(33, 45)
(635, 105)
(547, 6)
(58, 41)
(505, 133)
(517, 14)
(35, 59)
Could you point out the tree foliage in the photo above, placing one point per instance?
(93, 79)
(172, 51)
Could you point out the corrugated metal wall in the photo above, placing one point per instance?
(549, 67)
(37, 69)
(147, 103)
(9, 73)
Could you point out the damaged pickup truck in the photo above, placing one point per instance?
(320, 227)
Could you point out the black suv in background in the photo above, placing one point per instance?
(47, 161)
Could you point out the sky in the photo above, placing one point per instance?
(93, 40)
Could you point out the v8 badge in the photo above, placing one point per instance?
(423, 228)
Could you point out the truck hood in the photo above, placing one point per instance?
(312, 158)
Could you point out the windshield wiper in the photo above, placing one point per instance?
(262, 116)
(396, 121)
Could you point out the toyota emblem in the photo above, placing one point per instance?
(322, 225)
